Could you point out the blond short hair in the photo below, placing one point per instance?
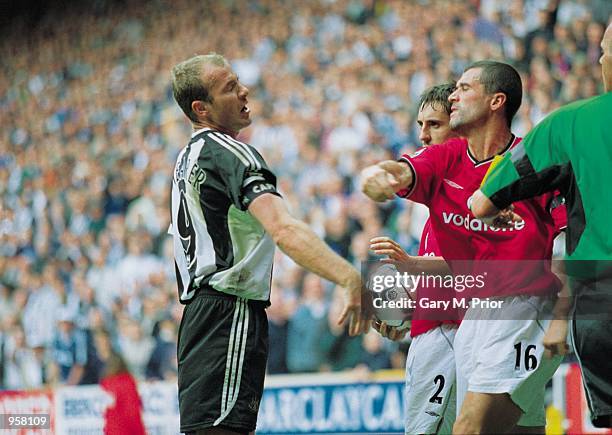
(187, 83)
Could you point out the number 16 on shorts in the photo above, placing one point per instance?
(527, 361)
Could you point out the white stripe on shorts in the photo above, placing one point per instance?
(235, 358)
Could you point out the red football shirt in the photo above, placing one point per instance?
(445, 176)
(425, 319)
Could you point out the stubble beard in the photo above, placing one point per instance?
(456, 124)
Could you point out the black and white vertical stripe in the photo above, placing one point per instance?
(235, 358)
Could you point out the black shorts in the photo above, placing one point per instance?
(592, 339)
(222, 354)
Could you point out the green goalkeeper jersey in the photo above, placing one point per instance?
(570, 150)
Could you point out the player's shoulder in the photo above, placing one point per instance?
(596, 101)
(226, 149)
(449, 147)
(594, 106)
(452, 147)
(455, 143)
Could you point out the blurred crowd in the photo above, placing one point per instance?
(90, 135)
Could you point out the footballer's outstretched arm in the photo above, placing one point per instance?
(381, 181)
(483, 208)
(408, 263)
(298, 241)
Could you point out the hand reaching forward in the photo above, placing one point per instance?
(380, 182)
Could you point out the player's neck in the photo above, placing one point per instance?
(488, 141)
(199, 125)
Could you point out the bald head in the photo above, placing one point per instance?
(606, 59)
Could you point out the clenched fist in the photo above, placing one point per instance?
(380, 182)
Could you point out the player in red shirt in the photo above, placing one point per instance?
(501, 373)
(430, 365)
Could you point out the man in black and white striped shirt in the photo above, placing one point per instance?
(227, 217)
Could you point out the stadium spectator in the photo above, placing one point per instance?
(339, 350)
(163, 363)
(69, 351)
(282, 305)
(22, 369)
(374, 355)
(135, 347)
(306, 327)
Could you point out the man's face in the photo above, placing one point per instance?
(469, 102)
(433, 122)
(606, 59)
(227, 109)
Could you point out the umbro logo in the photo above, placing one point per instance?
(452, 184)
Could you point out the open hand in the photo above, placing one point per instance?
(387, 246)
(358, 319)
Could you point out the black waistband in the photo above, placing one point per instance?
(209, 291)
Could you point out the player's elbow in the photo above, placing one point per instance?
(284, 230)
(482, 206)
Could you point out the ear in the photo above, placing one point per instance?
(498, 100)
(200, 108)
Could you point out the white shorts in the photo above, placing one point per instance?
(430, 382)
(500, 351)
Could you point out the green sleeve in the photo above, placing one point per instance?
(533, 167)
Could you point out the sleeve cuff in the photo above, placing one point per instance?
(405, 193)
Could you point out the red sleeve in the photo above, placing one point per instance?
(558, 212)
(427, 165)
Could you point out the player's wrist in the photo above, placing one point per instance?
(352, 280)
(404, 177)
(489, 220)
